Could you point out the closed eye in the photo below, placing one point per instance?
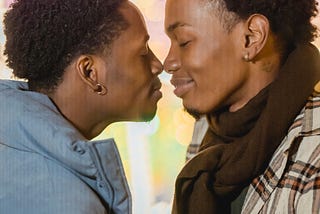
(184, 44)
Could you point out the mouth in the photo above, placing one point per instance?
(182, 85)
(156, 86)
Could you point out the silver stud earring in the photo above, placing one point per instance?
(246, 57)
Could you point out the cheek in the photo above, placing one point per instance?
(202, 56)
(137, 86)
(213, 79)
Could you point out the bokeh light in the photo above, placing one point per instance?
(154, 152)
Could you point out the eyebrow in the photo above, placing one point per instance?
(173, 26)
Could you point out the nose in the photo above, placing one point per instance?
(171, 63)
(156, 66)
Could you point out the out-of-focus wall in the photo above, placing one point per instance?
(154, 152)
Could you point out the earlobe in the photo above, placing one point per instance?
(256, 35)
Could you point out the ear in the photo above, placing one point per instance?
(87, 71)
(256, 35)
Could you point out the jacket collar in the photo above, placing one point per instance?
(32, 123)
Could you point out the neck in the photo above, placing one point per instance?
(261, 74)
(79, 110)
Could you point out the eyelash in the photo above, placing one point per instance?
(184, 44)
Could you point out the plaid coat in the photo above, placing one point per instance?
(291, 183)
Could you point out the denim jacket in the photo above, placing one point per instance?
(47, 166)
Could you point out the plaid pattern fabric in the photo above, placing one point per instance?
(199, 130)
(291, 183)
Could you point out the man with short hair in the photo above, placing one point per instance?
(249, 67)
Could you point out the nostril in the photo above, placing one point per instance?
(171, 65)
(172, 68)
(156, 67)
(169, 71)
(157, 70)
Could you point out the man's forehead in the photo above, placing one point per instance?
(134, 18)
(181, 4)
(181, 13)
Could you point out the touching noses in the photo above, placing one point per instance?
(156, 66)
(171, 63)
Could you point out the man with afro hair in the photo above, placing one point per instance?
(86, 64)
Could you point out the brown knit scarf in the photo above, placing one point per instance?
(238, 146)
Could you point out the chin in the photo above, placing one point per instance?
(147, 116)
(194, 113)
(197, 108)
(193, 110)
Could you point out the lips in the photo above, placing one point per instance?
(157, 85)
(156, 89)
(182, 85)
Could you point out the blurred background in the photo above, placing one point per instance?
(154, 152)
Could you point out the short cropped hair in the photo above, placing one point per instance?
(290, 20)
(44, 36)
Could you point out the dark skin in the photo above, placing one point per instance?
(212, 68)
(121, 84)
